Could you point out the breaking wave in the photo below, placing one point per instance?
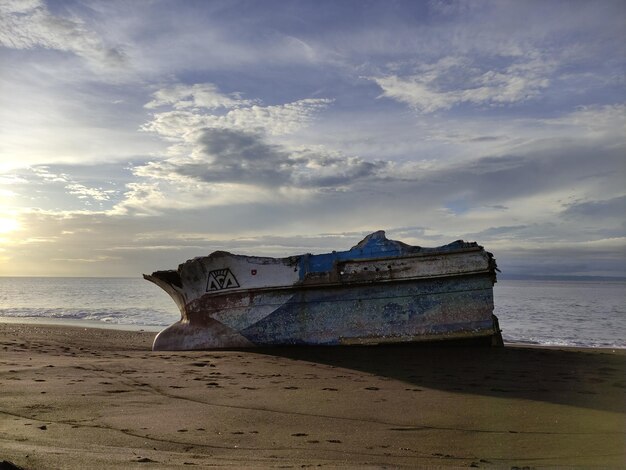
(131, 316)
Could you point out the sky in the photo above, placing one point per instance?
(135, 135)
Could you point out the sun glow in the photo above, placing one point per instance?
(8, 225)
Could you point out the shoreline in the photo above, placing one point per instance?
(97, 398)
(70, 323)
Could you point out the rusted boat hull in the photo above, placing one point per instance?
(367, 295)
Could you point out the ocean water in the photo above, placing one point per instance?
(131, 302)
(563, 313)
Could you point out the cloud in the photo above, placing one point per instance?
(224, 148)
(95, 259)
(201, 95)
(245, 157)
(202, 105)
(277, 119)
(595, 121)
(275, 130)
(602, 257)
(452, 81)
(84, 192)
(73, 187)
(29, 24)
(508, 232)
(48, 184)
(217, 157)
(538, 168)
(597, 210)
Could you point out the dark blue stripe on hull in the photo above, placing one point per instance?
(404, 309)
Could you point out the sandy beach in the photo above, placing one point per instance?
(91, 398)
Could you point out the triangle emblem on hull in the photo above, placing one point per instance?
(221, 279)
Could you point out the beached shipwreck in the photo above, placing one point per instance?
(379, 291)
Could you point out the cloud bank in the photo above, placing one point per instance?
(29, 24)
(453, 81)
(138, 134)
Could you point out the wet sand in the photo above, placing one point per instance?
(90, 398)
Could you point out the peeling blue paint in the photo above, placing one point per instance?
(373, 246)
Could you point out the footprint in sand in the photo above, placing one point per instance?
(331, 389)
(199, 364)
(291, 388)
(372, 388)
(299, 434)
